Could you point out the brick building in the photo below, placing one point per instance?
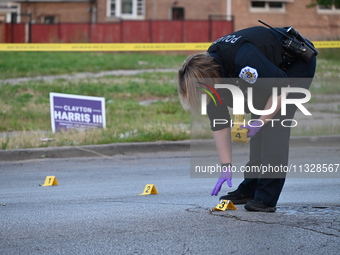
(316, 23)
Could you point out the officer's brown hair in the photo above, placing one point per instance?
(196, 68)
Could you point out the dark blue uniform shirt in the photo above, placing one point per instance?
(254, 70)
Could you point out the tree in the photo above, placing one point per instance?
(326, 3)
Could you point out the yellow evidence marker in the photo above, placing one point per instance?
(239, 134)
(50, 181)
(149, 189)
(224, 205)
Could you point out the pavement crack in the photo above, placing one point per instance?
(314, 230)
(272, 223)
(198, 209)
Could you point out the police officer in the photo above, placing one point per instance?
(261, 58)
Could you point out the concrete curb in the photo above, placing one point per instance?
(109, 150)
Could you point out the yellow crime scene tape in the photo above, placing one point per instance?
(126, 46)
(103, 46)
(327, 44)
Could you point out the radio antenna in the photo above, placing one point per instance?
(274, 29)
(316, 52)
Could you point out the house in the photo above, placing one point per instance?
(47, 11)
(316, 23)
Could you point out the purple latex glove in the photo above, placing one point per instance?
(226, 176)
(253, 128)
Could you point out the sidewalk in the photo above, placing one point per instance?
(83, 75)
(109, 150)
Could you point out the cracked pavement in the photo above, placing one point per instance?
(95, 208)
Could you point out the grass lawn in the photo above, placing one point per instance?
(30, 64)
(143, 107)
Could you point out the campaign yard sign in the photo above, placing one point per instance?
(76, 112)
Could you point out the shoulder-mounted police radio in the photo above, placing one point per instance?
(296, 44)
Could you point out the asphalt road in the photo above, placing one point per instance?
(95, 209)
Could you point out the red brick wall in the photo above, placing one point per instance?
(198, 9)
(161, 9)
(64, 12)
(306, 20)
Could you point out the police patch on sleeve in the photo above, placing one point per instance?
(248, 74)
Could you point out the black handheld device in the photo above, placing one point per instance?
(296, 44)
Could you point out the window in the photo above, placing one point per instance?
(258, 4)
(112, 8)
(329, 9)
(14, 17)
(12, 14)
(125, 9)
(267, 6)
(177, 13)
(49, 20)
(273, 5)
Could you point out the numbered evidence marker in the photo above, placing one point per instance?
(239, 134)
(149, 189)
(224, 205)
(50, 181)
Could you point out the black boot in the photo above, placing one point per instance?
(237, 197)
(258, 205)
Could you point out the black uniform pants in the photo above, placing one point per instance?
(270, 146)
